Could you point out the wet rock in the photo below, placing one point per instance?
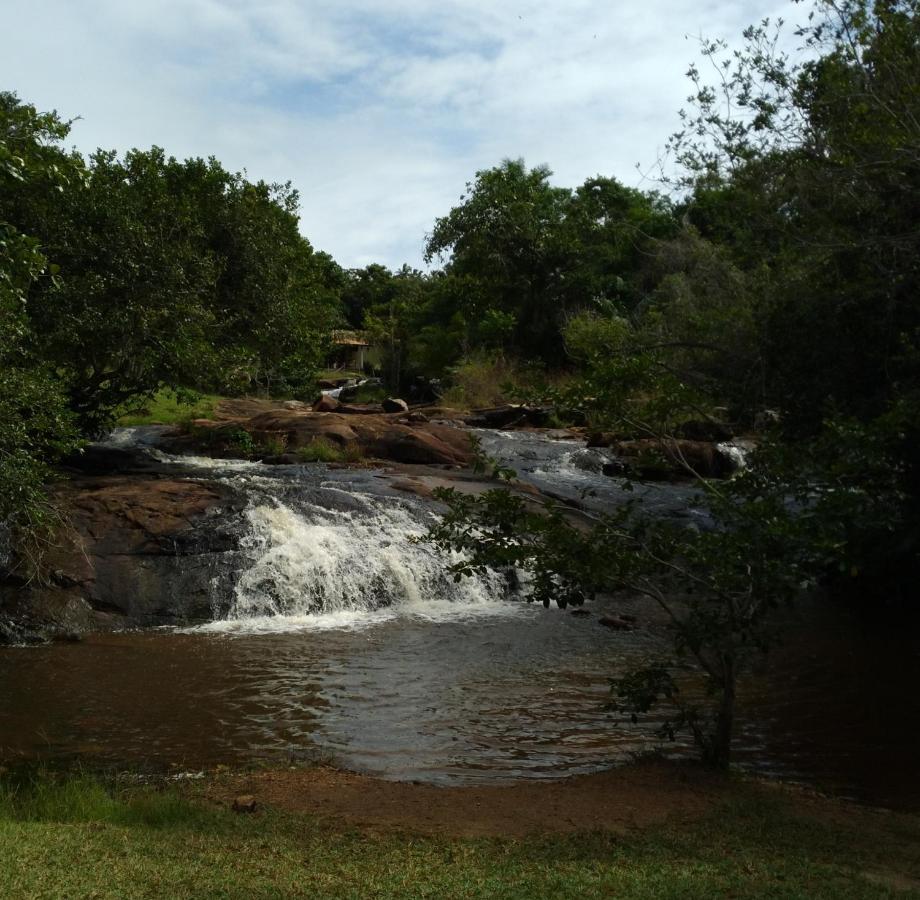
(133, 552)
(601, 439)
(704, 430)
(282, 459)
(417, 418)
(512, 416)
(97, 459)
(674, 459)
(581, 613)
(395, 405)
(615, 469)
(615, 623)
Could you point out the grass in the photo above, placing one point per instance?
(168, 408)
(484, 381)
(79, 837)
(322, 450)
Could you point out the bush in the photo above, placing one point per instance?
(321, 450)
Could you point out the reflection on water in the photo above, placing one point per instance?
(348, 639)
(406, 698)
(517, 694)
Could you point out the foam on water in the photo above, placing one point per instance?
(206, 462)
(321, 568)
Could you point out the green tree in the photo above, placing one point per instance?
(803, 179)
(35, 428)
(508, 236)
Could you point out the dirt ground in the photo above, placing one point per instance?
(618, 800)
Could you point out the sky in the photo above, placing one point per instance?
(379, 113)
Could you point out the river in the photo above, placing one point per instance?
(339, 636)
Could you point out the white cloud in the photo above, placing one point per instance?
(379, 112)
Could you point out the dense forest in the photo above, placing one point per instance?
(770, 285)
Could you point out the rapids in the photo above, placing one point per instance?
(337, 634)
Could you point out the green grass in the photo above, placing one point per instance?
(322, 450)
(78, 838)
(167, 408)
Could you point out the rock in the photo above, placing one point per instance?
(245, 803)
(294, 404)
(615, 469)
(425, 390)
(670, 459)
(375, 435)
(134, 552)
(512, 416)
(616, 623)
(349, 391)
(97, 459)
(282, 459)
(395, 405)
(601, 439)
(417, 418)
(704, 430)
(326, 404)
(324, 384)
(350, 409)
(580, 612)
(765, 419)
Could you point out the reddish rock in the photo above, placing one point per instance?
(326, 404)
(375, 435)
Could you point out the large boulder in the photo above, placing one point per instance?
(674, 458)
(133, 552)
(394, 405)
(511, 416)
(704, 430)
(326, 404)
(373, 435)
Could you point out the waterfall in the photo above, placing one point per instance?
(311, 566)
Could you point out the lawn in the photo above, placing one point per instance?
(79, 838)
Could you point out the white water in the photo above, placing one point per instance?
(212, 463)
(325, 568)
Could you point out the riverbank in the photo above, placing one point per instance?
(648, 830)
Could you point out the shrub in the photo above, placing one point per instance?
(321, 450)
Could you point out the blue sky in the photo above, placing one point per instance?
(378, 112)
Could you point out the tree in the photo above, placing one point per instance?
(802, 183)
(35, 428)
(509, 237)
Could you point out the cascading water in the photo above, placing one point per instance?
(321, 567)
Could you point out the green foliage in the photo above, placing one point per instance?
(320, 450)
(718, 585)
(527, 253)
(240, 441)
(123, 276)
(35, 427)
(274, 445)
